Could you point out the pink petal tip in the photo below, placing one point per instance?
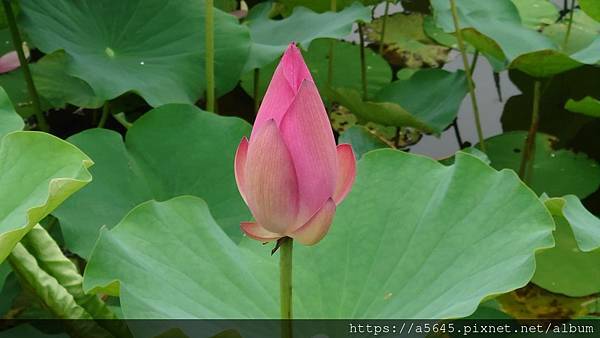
(317, 227)
(346, 172)
(239, 167)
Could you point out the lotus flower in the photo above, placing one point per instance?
(290, 173)
(10, 60)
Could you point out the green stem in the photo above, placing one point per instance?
(330, 57)
(383, 24)
(474, 61)
(525, 171)
(497, 84)
(18, 45)
(210, 56)
(569, 26)
(363, 63)
(459, 140)
(122, 119)
(105, 113)
(285, 285)
(463, 52)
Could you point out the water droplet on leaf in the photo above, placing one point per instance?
(109, 52)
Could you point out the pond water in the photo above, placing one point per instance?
(490, 109)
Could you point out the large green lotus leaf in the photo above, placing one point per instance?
(271, 37)
(37, 173)
(152, 47)
(576, 253)
(384, 113)
(547, 63)
(494, 43)
(428, 100)
(497, 29)
(555, 172)
(498, 20)
(536, 14)
(321, 6)
(433, 242)
(591, 7)
(406, 42)
(9, 119)
(206, 269)
(346, 69)
(586, 226)
(587, 106)
(59, 88)
(172, 150)
(432, 95)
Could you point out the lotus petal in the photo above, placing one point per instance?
(270, 185)
(308, 136)
(284, 86)
(346, 172)
(317, 227)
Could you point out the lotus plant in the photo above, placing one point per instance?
(290, 173)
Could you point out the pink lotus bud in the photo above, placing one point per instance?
(10, 60)
(291, 174)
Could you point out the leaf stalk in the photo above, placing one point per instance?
(525, 169)
(286, 245)
(471, 84)
(105, 113)
(383, 25)
(363, 62)
(569, 26)
(18, 45)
